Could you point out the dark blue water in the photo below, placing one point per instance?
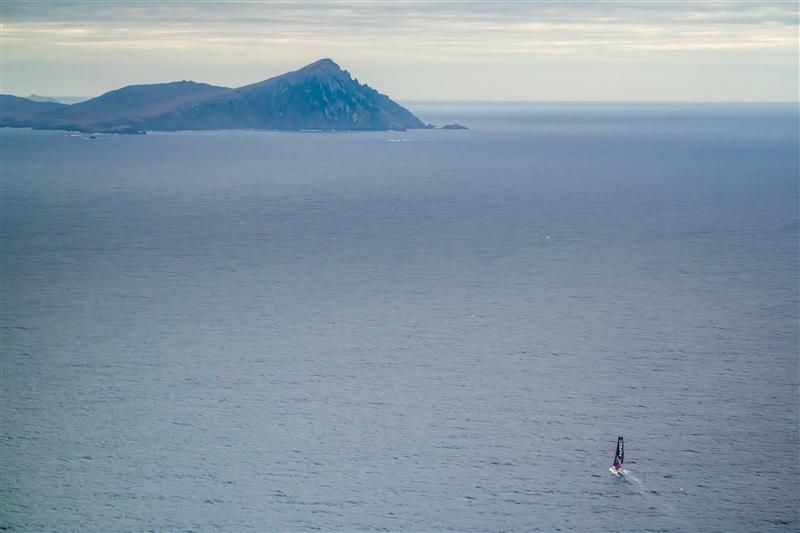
(406, 331)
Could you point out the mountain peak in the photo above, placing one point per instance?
(323, 68)
(325, 62)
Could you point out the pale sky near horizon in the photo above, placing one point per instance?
(523, 50)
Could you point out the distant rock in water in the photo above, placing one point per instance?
(319, 96)
(454, 126)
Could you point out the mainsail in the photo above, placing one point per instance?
(620, 455)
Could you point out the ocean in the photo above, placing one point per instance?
(406, 331)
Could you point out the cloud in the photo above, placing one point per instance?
(609, 26)
(363, 33)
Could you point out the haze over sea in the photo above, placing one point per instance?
(247, 330)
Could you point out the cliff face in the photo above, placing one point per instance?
(320, 96)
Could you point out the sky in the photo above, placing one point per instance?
(439, 50)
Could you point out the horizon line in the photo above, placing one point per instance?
(83, 98)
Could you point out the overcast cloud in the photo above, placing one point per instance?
(414, 50)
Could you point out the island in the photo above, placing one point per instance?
(320, 96)
(454, 126)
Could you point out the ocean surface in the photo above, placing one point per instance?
(414, 331)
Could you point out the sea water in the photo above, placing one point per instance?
(423, 330)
